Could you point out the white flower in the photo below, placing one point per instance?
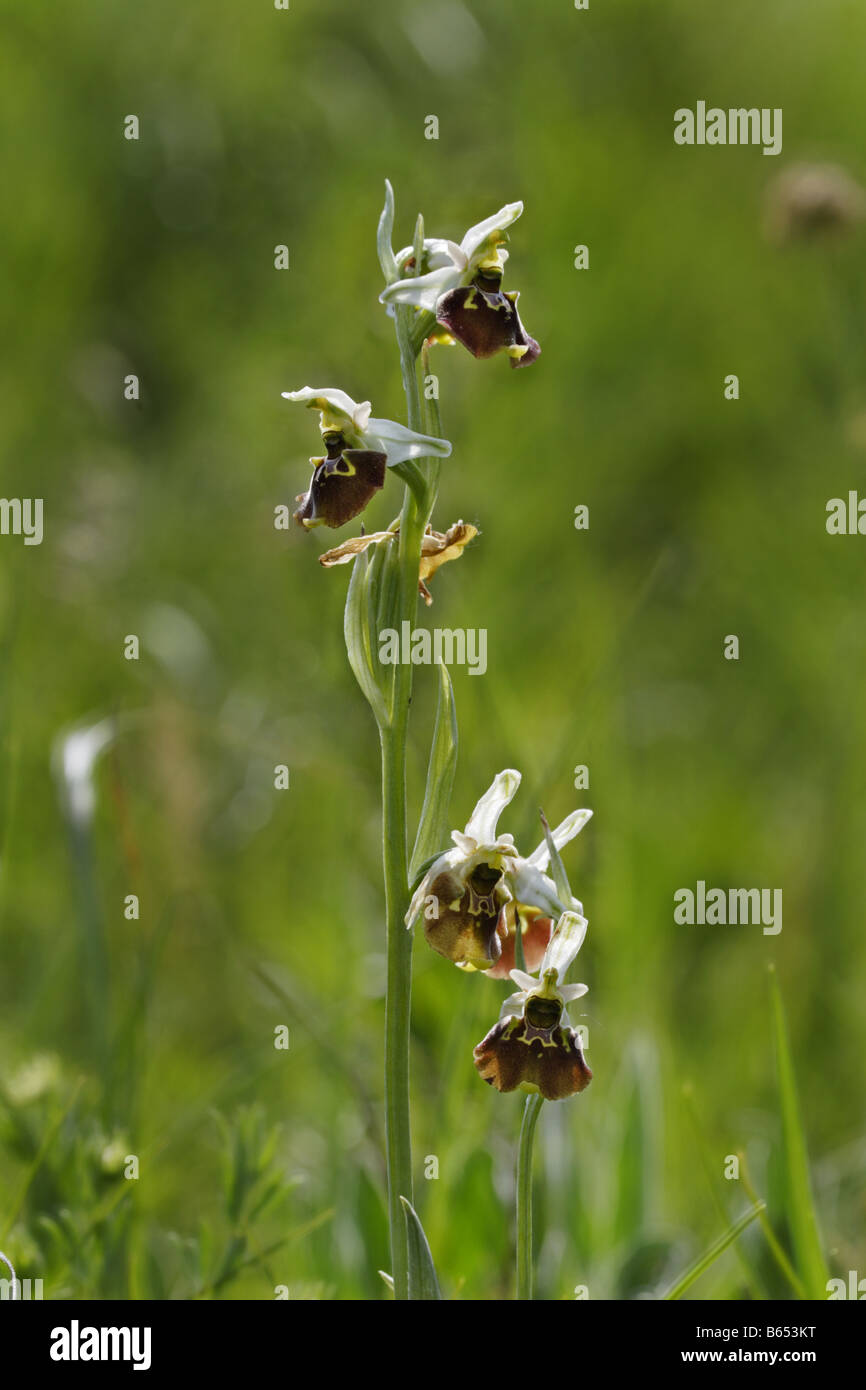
(533, 1046)
(359, 449)
(532, 886)
(465, 891)
(564, 946)
(482, 248)
(353, 421)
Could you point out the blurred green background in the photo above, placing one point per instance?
(261, 907)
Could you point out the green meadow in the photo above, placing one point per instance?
(165, 909)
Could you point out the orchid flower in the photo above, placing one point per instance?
(533, 1046)
(465, 889)
(465, 894)
(358, 450)
(462, 286)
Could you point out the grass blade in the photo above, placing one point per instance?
(802, 1217)
(710, 1255)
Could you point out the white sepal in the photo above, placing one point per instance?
(400, 443)
(564, 945)
(331, 401)
(481, 825)
(424, 291)
(477, 236)
(566, 831)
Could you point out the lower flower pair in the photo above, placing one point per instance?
(484, 906)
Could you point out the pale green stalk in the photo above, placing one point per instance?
(531, 1112)
(417, 505)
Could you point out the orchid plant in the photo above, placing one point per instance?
(483, 906)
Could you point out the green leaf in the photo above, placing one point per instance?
(433, 825)
(382, 594)
(384, 588)
(387, 1280)
(356, 628)
(423, 1284)
(557, 868)
(418, 244)
(703, 1262)
(800, 1204)
(384, 237)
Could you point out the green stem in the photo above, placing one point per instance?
(531, 1112)
(398, 995)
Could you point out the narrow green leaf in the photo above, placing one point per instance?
(432, 426)
(703, 1262)
(418, 244)
(801, 1213)
(433, 825)
(387, 1279)
(557, 868)
(419, 872)
(381, 586)
(423, 1284)
(776, 1250)
(356, 629)
(384, 238)
(384, 588)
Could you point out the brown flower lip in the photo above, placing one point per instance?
(469, 920)
(484, 318)
(341, 486)
(546, 1059)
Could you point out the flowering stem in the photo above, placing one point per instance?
(413, 519)
(397, 996)
(531, 1112)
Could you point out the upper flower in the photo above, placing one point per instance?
(359, 449)
(462, 286)
(464, 891)
(465, 894)
(533, 1046)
